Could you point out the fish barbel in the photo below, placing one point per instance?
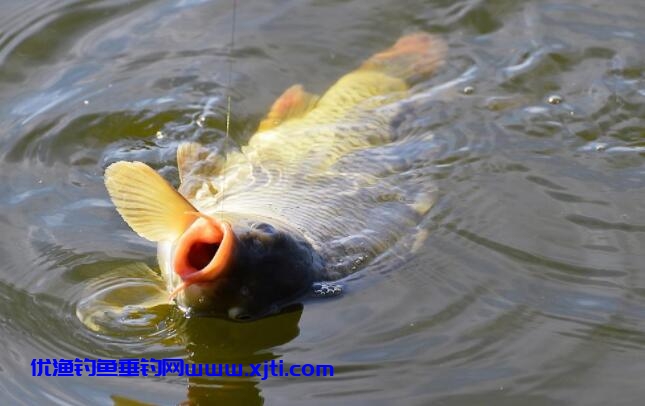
(322, 185)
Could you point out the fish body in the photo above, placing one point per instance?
(321, 186)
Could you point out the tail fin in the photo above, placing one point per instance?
(410, 58)
(389, 72)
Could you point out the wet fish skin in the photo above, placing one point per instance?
(271, 266)
(299, 201)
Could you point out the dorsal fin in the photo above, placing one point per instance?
(294, 102)
(147, 202)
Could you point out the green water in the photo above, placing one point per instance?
(530, 288)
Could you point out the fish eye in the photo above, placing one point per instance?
(267, 228)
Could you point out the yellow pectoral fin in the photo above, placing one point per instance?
(294, 102)
(147, 202)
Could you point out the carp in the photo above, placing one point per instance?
(323, 187)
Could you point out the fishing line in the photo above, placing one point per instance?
(228, 103)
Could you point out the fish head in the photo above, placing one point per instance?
(239, 268)
(225, 264)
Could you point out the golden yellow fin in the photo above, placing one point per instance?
(147, 202)
(294, 102)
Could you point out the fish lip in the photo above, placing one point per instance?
(204, 230)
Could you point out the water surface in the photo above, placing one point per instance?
(530, 288)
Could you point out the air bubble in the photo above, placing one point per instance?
(600, 147)
(554, 99)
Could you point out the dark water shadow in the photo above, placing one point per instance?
(214, 341)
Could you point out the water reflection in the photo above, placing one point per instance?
(210, 340)
(129, 305)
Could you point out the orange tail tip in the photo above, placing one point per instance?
(203, 251)
(412, 55)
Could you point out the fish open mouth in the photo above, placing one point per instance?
(200, 254)
(203, 251)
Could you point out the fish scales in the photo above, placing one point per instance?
(324, 184)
